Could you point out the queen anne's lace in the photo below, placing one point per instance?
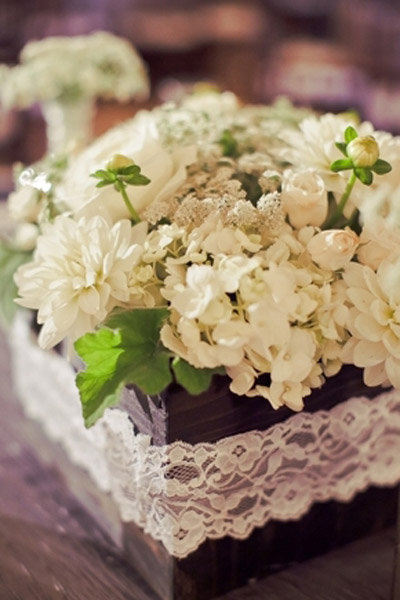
(183, 494)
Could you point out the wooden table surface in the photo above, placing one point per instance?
(51, 549)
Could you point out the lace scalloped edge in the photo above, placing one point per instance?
(183, 494)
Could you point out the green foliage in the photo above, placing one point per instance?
(120, 172)
(10, 259)
(341, 165)
(229, 144)
(381, 167)
(350, 134)
(364, 175)
(128, 350)
(129, 175)
(195, 381)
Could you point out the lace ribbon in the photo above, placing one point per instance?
(182, 494)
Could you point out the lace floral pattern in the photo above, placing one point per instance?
(182, 494)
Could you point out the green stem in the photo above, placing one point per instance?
(132, 211)
(342, 203)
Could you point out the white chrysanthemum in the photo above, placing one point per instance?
(379, 241)
(314, 146)
(374, 322)
(79, 273)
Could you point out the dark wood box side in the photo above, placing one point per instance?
(219, 413)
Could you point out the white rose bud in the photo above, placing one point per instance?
(334, 248)
(304, 197)
(363, 151)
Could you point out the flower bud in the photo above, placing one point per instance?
(334, 248)
(119, 161)
(363, 151)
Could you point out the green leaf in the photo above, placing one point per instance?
(103, 183)
(341, 165)
(195, 381)
(10, 259)
(350, 134)
(137, 180)
(126, 350)
(364, 175)
(129, 170)
(107, 175)
(99, 386)
(342, 147)
(381, 167)
(229, 144)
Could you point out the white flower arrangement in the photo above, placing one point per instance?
(212, 237)
(70, 68)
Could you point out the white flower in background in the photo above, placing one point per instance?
(374, 322)
(333, 248)
(79, 273)
(109, 67)
(304, 197)
(138, 140)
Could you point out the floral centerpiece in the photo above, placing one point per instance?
(260, 242)
(200, 247)
(48, 74)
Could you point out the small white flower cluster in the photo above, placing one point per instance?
(68, 68)
(232, 239)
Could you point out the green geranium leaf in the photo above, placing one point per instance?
(126, 350)
(341, 165)
(350, 134)
(195, 381)
(381, 167)
(342, 147)
(364, 175)
(10, 259)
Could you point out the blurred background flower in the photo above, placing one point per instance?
(329, 55)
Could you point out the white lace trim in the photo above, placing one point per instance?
(182, 494)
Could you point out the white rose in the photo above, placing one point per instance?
(138, 140)
(304, 197)
(334, 248)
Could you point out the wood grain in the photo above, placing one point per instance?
(50, 548)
